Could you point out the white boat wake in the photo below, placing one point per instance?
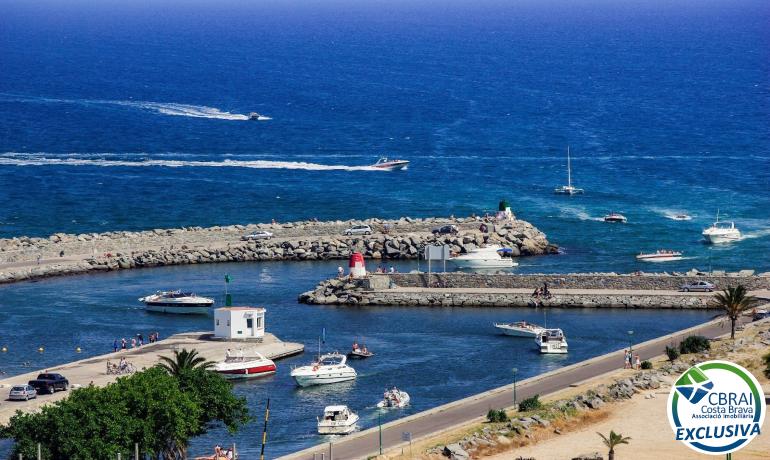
(756, 234)
(165, 108)
(18, 159)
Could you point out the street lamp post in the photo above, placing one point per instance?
(515, 370)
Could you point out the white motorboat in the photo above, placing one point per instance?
(337, 420)
(660, 255)
(244, 365)
(568, 189)
(722, 232)
(258, 117)
(390, 165)
(328, 368)
(520, 329)
(483, 257)
(681, 216)
(615, 217)
(394, 399)
(552, 341)
(177, 302)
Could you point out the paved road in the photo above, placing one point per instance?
(366, 443)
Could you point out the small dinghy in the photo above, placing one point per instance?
(394, 399)
(359, 352)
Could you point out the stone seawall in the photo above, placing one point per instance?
(645, 281)
(462, 290)
(60, 254)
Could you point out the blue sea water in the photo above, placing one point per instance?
(125, 115)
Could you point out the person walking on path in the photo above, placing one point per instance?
(626, 359)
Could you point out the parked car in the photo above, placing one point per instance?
(22, 393)
(702, 286)
(445, 230)
(260, 235)
(50, 383)
(358, 230)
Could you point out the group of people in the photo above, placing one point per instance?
(123, 367)
(382, 269)
(542, 292)
(135, 342)
(220, 453)
(631, 361)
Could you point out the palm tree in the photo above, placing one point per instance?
(184, 360)
(614, 439)
(734, 301)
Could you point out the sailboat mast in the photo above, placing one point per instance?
(569, 169)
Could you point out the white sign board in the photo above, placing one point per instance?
(437, 252)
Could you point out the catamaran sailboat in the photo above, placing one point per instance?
(568, 189)
(722, 232)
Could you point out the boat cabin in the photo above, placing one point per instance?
(234, 323)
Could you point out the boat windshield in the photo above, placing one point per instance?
(723, 225)
(331, 360)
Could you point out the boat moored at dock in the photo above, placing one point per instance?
(177, 302)
(552, 341)
(243, 365)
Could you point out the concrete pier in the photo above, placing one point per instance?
(94, 370)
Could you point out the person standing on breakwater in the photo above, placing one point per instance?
(637, 363)
(123, 343)
(115, 346)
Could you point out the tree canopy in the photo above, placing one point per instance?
(159, 411)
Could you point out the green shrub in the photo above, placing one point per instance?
(646, 364)
(672, 353)
(694, 344)
(497, 416)
(529, 404)
(767, 365)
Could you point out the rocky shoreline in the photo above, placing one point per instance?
(65, 254)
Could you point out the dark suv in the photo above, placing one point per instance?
(50, 383)
(445, 230)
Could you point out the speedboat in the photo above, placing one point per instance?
(520, 329)
(337, 420)
(242, 365)
(552, 341)
(390, 165)
(328, 368)
(177, 302)
(722, 232)
(258, 117)
(660, 255)
(483, 257)
(681, 216)
(615, 217)
(394, 399)
(568, 189)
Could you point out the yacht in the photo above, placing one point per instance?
(568, 189)
(615, 217)
(240, 365)
(483, 257)
(552, 341)
(385, 164)
(337, 420)
(394, 399)
(520, 329)
(177, 302)
(660, 255)
(328, 368)
(722, 232)
(258, 117)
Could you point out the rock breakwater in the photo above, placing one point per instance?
(63, 254)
